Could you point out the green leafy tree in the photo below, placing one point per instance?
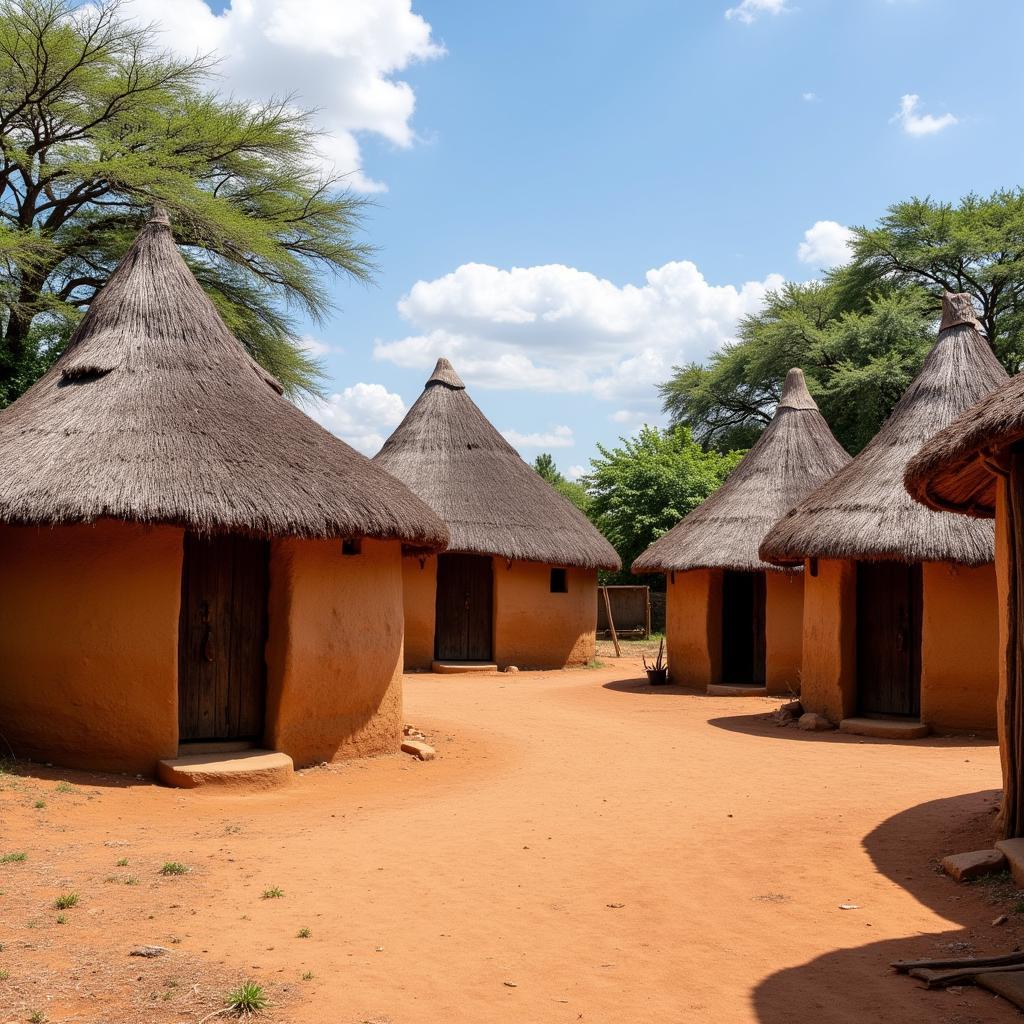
(544, 464)
(975, 246)
(96, 126)
(858, 361)
(641, 488)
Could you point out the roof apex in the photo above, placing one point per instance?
(794, 392)
(444, 373)
(958, 308)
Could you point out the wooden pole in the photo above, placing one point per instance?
(611, 622)
(647, 612)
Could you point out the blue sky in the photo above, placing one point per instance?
(650, 168)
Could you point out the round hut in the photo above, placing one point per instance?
(190, 562)
(518, 583)
(900, 602)
(733, 621)
(975, 467)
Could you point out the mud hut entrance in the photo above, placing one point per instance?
(743, 628)
(888, 638)
(463, 627)
(221, 638)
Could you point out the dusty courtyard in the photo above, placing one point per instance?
(585, 848)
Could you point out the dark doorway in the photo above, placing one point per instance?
(462, 630)
(743, 628)
(888, 638)
(221, 638)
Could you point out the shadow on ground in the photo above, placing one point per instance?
(640, 685)
(853, 986)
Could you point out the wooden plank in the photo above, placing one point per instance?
(611, 622)
(949, 963)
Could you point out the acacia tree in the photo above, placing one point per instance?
(96, 126)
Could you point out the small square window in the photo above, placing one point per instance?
(559, 581)
(352, 546)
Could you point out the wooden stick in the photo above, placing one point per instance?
(611, 622)
(903, 966)
(647, 613)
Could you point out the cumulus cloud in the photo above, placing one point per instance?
(914, 123)
(556, 437)
(575, 472)
(826, 244)
(748, 11)
(555, 328)
(340, 58)
(363, 415)
(315, 347)
(809, 97)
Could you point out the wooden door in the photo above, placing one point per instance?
(888, 638)
(221, 638)
(463, 626)
(743, 630)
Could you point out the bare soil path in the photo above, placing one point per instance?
(585, 848)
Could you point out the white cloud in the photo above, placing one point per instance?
(575, 472)
(315, 347)
(556, 437)
(809, 97)
(748, 11)
(826, 244)
(557, 329)
(363, 415)
(914, 123)
(340, 58)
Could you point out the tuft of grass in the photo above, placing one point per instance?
(65, 901)
(304, 933)
(39, 805)
(122, 863)
(37, 1017)
(174, 867)
(130, 880)
(307, 976)
(13, 858)
(64, 787)
(4, 975)
(62, 919)
(249, 998)
(272, 894)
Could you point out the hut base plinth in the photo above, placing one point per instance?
(237, 770)
(736, 690)
(456, 667)
(885, 728)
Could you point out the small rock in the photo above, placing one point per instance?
(419, 749)
(962, 867)
(849, 906)
(149, 951)
(813, 722)
(1001, 919)
(782, 717)
(794, 707)
(615, 906)
(512, 670)
(510, 984)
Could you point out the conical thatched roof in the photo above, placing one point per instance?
(953, 471)
(795, 453)
(866, 512)
(156, 414)
(492, 502)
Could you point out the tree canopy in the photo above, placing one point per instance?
(544, 464)
(96, 126)
(642, 487)
(861, 334)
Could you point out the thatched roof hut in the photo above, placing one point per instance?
(492, 502)
(156, 414)
(865, 512)
(794, 455)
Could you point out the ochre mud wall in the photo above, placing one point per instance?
(693, 627)
(784, 613)
(959, 647)
(419, 595)
(828, 671)
(89, 644)
(334, 655)
(534, 628)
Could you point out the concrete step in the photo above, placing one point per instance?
(885, 728)
(241, 770)
(736, 690)
(457, 667)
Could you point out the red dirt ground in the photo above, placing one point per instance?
(585, 848)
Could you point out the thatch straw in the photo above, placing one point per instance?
(865, 512)
(492, 502)
(156, 414)
(795, 453)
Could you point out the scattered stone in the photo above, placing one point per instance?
(1001, 919)
(813, 722)
(419, 749)
(794, 707)
(510, 984)
(512, 670)
(781, 717)
(962, 867)
(149, 951)
(849, 906)
(1013, 849)
(615, 906)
